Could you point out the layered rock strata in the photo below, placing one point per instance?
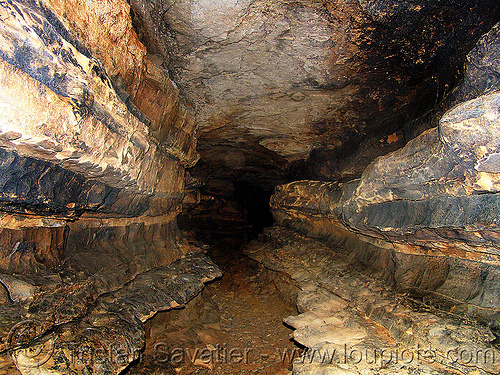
(81, 332)
(94, 142)
(425, 217)
(71, 146)
(352, 324)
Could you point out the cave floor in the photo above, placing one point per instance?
(347, 320)
(252, 321)
(249, 336)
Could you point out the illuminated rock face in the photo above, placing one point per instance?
(94, 143)
(352, 323)
(73, 142)
(426, 215)
(423, 220)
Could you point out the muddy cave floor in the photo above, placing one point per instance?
(239, 327)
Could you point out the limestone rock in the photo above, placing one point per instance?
(113, 329)
(94, 142)
(72, 143)
(423, 217)
(482, 68)
(378, 331)
(480, 78)
(424, 246)
(18, 289)
(439, 180)
(80, 114)
(137, 77)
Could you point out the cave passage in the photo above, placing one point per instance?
(249, 187)
(237, 217)
(236, 325)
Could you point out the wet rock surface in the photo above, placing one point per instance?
(75, 327)
(409, 242)
(86, 126)
(95, 139)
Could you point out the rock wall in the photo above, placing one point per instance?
(72, 145)
(94, 143)
(350, 323)
(425, 217)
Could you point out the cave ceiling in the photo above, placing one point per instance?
(308, 89)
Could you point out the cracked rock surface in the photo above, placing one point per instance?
(79, 329)
(423, 217)
(94, 142)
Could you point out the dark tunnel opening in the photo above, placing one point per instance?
(255, 202)
(233, 219)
